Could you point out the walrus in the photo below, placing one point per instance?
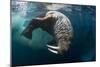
(56, 24)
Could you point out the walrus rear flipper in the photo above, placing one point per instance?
(27, 33)
(28, 30)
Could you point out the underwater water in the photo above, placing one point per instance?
(35, 52)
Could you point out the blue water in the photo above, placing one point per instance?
(33, 52)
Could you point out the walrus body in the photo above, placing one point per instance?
(57, 25)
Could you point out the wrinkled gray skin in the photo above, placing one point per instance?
(57, 25)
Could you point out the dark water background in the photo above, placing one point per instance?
(33, 52)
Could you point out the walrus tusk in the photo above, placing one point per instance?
(53, 51)
(53, 47)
